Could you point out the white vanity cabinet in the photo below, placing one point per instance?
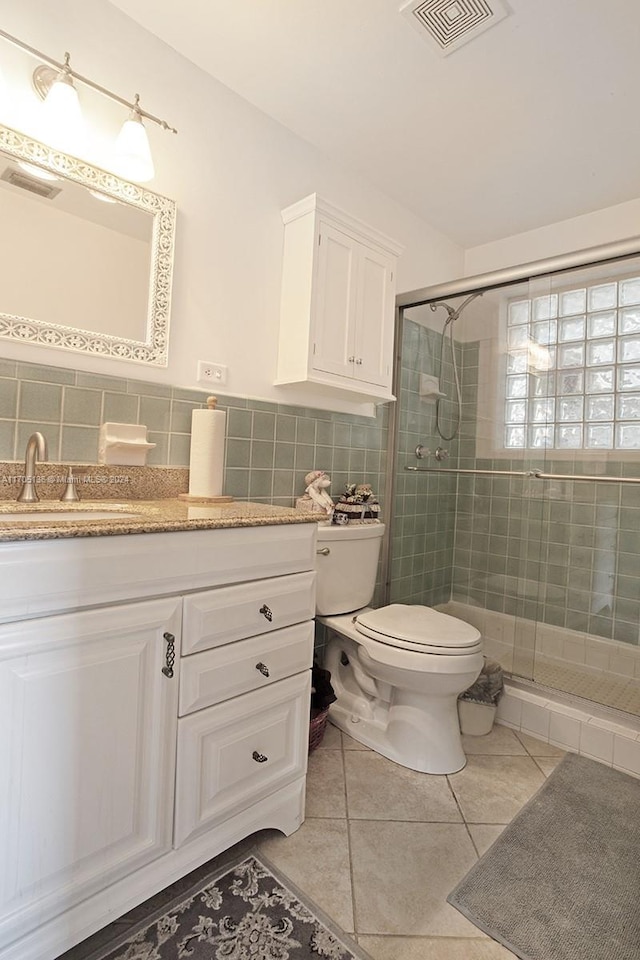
(337, 304)
(154, 706)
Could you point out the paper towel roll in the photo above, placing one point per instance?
(206, 462)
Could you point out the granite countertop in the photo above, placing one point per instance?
(136, 516)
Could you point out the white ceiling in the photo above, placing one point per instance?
(525, 125)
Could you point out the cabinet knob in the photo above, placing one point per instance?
(351, 359)
(324, 551)
(259, 757)
(266, 612)
(263, 669)
(359, 361)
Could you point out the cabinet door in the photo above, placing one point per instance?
(333, 340)
(234, 754)
(87, 754)
(374, 317)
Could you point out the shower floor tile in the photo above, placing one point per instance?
(621, 693)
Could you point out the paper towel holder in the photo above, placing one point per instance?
(192, 498)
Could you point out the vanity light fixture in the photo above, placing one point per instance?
(56, 85)
(133, 153)
(62, 124)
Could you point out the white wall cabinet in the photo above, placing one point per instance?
(337, 305)
(141, 738)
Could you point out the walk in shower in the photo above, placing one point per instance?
(516, 488)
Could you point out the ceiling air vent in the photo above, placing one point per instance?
(448, 24)
(18, 179)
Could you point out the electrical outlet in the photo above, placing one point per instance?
(211, 372)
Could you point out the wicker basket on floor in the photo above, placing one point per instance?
(317, 726)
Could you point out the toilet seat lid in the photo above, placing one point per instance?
(418, 627)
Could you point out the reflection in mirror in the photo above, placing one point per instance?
(85, 257)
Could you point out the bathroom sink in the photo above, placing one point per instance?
(66, 516)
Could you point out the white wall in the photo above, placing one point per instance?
(231, 170)
(590, 230)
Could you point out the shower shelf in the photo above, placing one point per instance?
(528, 474)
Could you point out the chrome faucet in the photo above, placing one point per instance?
(36, 449)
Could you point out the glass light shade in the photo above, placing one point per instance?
(132, 151)
(62, 126)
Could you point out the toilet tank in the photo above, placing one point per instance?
(346, 574)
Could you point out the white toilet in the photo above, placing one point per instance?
(397, 671)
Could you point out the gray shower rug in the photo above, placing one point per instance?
(562, 882)
(244, 911)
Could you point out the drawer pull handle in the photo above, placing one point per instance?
(266, 612)
(263, 669)
(259, 757)
(324, 551)
(171, 654)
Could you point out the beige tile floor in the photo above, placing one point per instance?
(382, 846)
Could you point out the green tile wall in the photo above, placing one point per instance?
(566, 554)
(425, 505)
(270, 447)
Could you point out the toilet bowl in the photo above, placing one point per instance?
(398, 670)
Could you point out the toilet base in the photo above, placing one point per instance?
(373, 733)
(415, 730)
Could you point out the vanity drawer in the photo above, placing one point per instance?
(234, 754)
(216, 617)
(224, 672)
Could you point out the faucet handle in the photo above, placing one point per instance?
(70, 494)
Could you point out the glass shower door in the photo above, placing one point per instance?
(588, 419)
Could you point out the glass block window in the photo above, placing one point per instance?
(573, 369)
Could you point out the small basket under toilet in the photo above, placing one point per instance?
(317, 726)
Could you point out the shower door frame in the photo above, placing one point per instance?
(589, 256)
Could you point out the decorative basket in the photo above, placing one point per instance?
(317, 727)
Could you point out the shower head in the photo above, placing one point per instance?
(453, 314)
(450, 310)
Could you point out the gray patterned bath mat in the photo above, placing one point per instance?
(245, 911)
(562, 881)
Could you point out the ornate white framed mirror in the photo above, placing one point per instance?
(86, 258)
